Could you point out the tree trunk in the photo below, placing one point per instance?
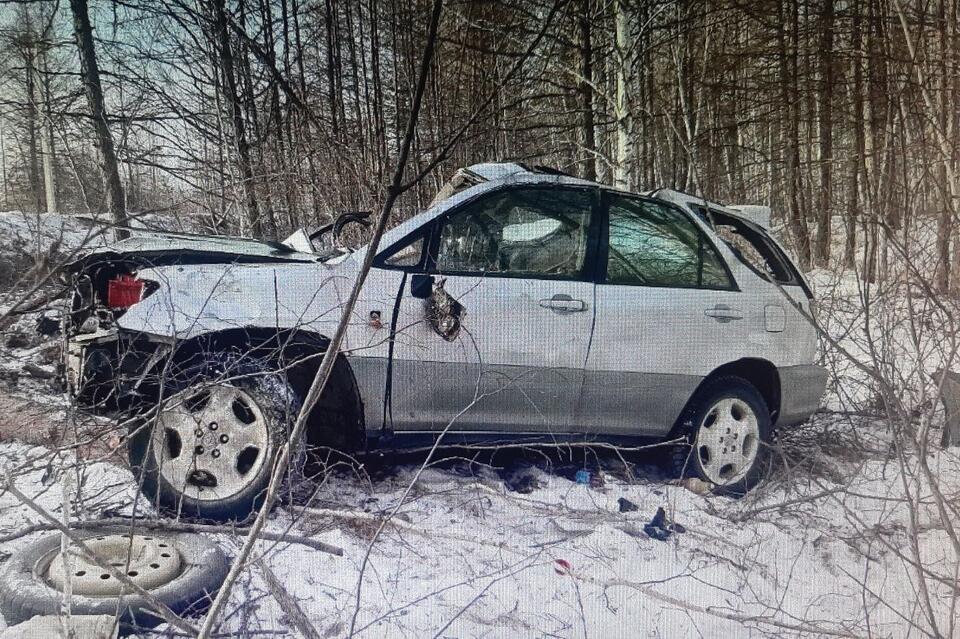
(586, 93)
(624, 144)
(253, 225)
(31, 85)
(788, 79)
(3, 164)
(856, 156)
(951, 128)
(870, 170)
(824, 213)
(46, 137)
(90, 74)
(275, 124)
(331, 78)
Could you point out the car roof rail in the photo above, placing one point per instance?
(545, 170)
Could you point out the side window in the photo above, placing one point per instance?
(518, 232)
(654, 245)
(408, 255)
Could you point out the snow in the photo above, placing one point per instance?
(38, 233)
(470, 558)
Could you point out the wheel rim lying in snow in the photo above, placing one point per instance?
(211, 441)
(728, 441)
(147, 561)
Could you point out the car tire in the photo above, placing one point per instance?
(228, 467)
(726, 430)
(25, 591)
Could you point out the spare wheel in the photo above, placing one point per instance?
(181, 570)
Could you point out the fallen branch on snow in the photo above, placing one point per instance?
(175, 527)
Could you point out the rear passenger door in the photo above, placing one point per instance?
(791, 339)
(668, 313)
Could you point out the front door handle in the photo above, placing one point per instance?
(723, 313)
(563, 303)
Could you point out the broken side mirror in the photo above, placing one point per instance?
(444, 313)
(421, 286)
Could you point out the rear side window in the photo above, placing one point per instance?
(652, 244)
(752, 247)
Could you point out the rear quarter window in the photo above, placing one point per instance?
(751, 247)
(652, 244)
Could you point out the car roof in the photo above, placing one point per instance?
(496, 175)
(499, 174)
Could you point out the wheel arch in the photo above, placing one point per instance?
(300, 353)
(761, 373)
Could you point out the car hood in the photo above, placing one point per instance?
(188, 300)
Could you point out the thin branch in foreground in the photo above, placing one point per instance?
(174, 526)
(326, 364)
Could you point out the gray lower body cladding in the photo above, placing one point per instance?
(801, 388)
(420, 396)
(429, 396)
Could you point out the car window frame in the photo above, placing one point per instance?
(705, 240)
(712, 217)
(424, 232)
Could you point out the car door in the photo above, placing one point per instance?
(668, 313)
(515, 261)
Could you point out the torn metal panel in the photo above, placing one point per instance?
(444, 313)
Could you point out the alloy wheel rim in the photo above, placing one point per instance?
(211, 441)
(728, 441)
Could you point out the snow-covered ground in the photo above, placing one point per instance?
(818, 550)
(511, 545)
(33, 232)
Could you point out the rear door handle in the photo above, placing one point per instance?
(563, 303)
(723, 313)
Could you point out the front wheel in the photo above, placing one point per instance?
(727, 427)
(207, 451)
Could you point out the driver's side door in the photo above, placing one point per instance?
(517, 261)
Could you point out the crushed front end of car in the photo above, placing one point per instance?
(107, 362)
(104, 365)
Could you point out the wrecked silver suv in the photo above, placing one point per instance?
(523, 305)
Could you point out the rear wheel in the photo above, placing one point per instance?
(727, 428)
(208, 450)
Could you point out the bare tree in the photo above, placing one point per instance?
(90, 73)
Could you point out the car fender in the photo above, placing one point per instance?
(190, 301)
